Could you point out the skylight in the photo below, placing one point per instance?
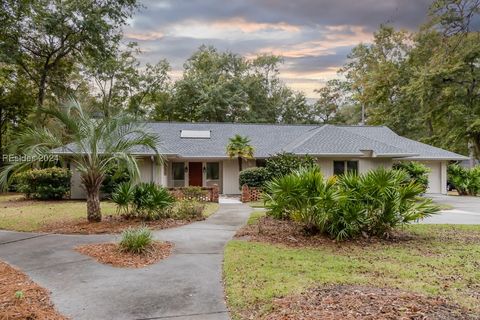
(195, 134)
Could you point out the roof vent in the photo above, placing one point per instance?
(195, 134)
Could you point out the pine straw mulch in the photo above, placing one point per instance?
(35, 303)
(110, 253)
(366, 303)
(109, 224)
(292, 234)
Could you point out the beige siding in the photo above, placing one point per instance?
(230, 177)
(437, 177)
(76, 188)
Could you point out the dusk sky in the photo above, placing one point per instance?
(313, 36)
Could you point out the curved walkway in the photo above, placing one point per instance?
(187, 285)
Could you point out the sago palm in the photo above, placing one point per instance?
(239, 147)
(95, 145)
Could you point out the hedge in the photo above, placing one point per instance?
(254, 177)
(44, 184)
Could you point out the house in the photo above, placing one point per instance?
(195, 153)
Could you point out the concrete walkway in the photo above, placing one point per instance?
(465, 210)
(187, 285)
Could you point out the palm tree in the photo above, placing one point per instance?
(95, 146)
(239, 147)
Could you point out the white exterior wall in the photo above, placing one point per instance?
(437, 177)
(76, 188)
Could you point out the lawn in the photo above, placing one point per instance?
(437, 260)
(19, 214)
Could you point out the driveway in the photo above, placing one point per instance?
(465, 210)
(187, 285)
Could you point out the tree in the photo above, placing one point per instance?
(239, 147)
(46, 38)
(97, 145)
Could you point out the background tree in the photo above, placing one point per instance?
(239, 147)
(45, 38)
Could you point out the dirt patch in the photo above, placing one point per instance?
(110, 253)
(292, 234)
(109, 224)
(21, 298)
(357, 302)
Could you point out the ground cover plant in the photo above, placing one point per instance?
(349, 205)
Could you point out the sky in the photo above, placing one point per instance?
(314, 37)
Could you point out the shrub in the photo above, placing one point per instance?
(123, 197)
(114, 177)
(417, 172)
(350, 205)
(286, 163)
(466, 181)
(144, 200)
(136, 240)
(151, 201)
(44, 184)
(188, 209)
(193, 192)
(254, 177)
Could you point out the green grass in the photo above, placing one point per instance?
(32, 215)
(210, 208)
(19, 215)
(441, 260)
(255, 215)
(256, 204)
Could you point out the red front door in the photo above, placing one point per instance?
(195, 174)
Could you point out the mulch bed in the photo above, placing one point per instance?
(110, 253)
(292, 234)
(367, 303)
(109, 224)
(35, 303)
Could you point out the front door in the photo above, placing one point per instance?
(195, 174)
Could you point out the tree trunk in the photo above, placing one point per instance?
(92, 182)
(93, 207)
(240, 164)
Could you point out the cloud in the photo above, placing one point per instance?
(313, 36)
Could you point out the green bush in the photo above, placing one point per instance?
(137, 240)
(188, 210)
(147, 201)
(123, 197)
(45, 184)
(285, 163)
(112, 179)
(193, 192)
(417, 172)
(350, 205)
(466, 181)
(254, 177)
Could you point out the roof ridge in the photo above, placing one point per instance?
(241, 123)
(295, 143)
(375, 140)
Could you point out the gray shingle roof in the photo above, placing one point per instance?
(269, 139)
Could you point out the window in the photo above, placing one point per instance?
(213, 171)
(340, 167)
(178, 171)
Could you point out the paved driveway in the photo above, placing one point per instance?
(466, 210)
(187, 285)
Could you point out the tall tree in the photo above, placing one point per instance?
(45, 38)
